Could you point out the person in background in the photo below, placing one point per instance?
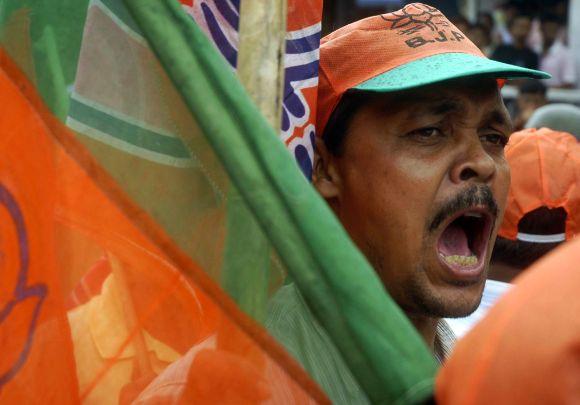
(557, 116)
(503, 16)
(543, 207)
(461, 23)
(486, 20)
(480, 35)
(555, 57)
(543, 211)
(531, 96)
(518, 53)
(560, 9)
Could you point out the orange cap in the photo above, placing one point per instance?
(545, 167)
(411, 47)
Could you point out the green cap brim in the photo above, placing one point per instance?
(446, 66)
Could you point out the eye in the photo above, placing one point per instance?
(426, 134)
(495, 139)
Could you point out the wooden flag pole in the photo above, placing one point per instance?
(261, 54)
(260, 68)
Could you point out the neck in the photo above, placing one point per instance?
(519, 44)
(427, 328)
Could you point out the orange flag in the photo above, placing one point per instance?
(97, 305)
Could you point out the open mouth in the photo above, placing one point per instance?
(463, 244)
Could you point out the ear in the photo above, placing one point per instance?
(325, 177)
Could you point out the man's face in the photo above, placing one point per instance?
(479, 38)
(520, 28)
(421, 185)
(531, 101)
(550, 31)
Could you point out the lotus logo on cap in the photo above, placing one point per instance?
(415, 17)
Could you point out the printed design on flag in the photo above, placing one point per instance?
(301, 81)
(301, 68)
(102, 120)
(23, 294)
(303, 150)
(220, 20)
(117, 11)
(123, 132)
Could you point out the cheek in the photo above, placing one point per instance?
(502, 183)
(388, 202)
(500, 190)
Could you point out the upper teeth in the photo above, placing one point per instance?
(474, 214)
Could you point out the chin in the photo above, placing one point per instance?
(447, 301)
(461, 311)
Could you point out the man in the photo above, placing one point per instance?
(411, 161)
(543, 203)
(531, 96)
(555, 57)
(517, 52)
(505, 13)
(480, 35)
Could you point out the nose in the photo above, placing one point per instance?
(474, 164)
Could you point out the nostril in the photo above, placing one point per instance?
(467, 174)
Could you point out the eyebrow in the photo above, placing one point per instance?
(445, 106)
(439, 107)
(499, 116)
(448, 105)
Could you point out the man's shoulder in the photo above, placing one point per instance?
(531, 52)
(502, 51)
(291, 322)
(503, 48)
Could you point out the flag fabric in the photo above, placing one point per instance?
(63, 220)
(165, 215)
(219, 19)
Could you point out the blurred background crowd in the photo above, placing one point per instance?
(537, 34)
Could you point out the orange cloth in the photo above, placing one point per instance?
(99, 332)
(545, 169)
(59, 214)
(527, 349)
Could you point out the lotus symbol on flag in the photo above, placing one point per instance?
(19, 303)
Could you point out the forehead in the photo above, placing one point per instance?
(550, 24)
(521, 20)
(458, 95)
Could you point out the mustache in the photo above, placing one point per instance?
(472, 196)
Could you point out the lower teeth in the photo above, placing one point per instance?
(461, 260)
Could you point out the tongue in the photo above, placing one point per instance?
(453, 241)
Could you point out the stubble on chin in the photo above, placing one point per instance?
(426, 300)
(417, 297)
